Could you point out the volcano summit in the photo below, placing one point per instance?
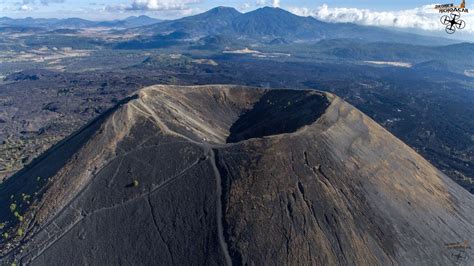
(233, 175)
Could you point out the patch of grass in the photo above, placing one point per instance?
(135, 183)
(25, 197)
(18, 216)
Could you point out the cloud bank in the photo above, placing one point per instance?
(159, 5)
(30, 5)
(43, 2)
(274, 3)
(425, 17)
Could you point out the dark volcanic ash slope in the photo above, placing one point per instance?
(227, 174)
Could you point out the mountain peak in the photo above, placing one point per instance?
(274, 13)
(141, 17)
(275, 22)
(221, 13)
(272, 10)
(223, 10)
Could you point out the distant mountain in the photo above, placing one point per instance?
(218, 20)
(130, 22)
(47, 23)
(65, 31)
(262, 23)
(158, 41)
(267, 24)
(278, 41)
(19, 29)
(460, 56)
(25, 22)
(74, 23)
(433, 65)
(214, 42)
(270, 22)
(77, 23)
(350, 49)
(140, 21)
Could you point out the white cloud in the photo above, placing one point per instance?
(43, 2)
(158, 5)
(425, 17)
(245, 6)
(30, 5)
(165, 9)
(46, 2)
(274, 3)
(25, 8)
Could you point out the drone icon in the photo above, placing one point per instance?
(453, 22)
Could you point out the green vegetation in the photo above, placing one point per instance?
(19, 232)
(12, 207)
(25, 197)
(135, 183)
(5, 235)
(18, 216)
(18, 151)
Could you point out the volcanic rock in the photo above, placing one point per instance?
(234, 175)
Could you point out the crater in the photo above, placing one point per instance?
(223, 114)
(278, 112)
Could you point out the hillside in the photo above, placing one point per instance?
(228, 174)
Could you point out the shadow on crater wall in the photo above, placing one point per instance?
(295, 108)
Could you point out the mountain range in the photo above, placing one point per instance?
(267, 25)
(77, 23)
